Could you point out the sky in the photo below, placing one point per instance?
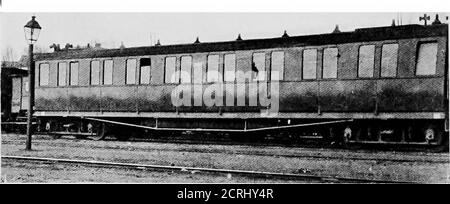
(144, 29)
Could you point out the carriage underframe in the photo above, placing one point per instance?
(398, 131)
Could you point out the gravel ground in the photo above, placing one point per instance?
(41, 172)
(411, 166)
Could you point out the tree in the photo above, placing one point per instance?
(8, 55)
(36, 49)
(40, 49)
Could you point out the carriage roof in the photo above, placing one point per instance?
(359, 35)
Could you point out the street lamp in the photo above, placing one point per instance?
(31, 29)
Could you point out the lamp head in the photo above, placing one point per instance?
(32, 30)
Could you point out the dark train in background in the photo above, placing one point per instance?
(13, 100)
(381, 85)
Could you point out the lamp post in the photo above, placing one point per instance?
(31, 29)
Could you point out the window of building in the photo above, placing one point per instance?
(427, 58)
(259, 66)
(73, 81)
(186, 69)
(213, 74)
(95, 72)
(309, 64)
(44, 74)
(62, 73)
(230, 67)
(170, 71)
(389, 60)
(330, 60)
(277, 71)
(131, 72)
(145, 65)
(107, 72)
(366, 61)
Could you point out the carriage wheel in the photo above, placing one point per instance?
(49, 128)
(98, 131)
(433, 134)
(439, 137)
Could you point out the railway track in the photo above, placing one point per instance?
(317, 155)
(287, 176)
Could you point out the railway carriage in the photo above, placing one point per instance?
(371, 85)
(14, 96)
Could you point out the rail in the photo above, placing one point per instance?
(301, 176)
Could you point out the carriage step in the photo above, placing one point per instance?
(16, 123)
(392, 142)
(72, 133)
(311, 137)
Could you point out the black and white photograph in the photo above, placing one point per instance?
(224, 97)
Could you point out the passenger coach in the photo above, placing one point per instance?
(371, 85)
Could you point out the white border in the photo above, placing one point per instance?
(224, 6)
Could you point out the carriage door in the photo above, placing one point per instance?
(16, 98)
(25, 94)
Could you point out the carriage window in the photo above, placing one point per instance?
(73, 81)
(131, 71)
(213, 74)
(259, 66)
(366, 61)
(389, 60)
(277, 72)
(230, 67)
(43, 74)
(170, 76)
(62, 73)
(427, 58)
(107, 72)
(145, 64)
(198, 77)
(186, 69)
(330, 60)
(95, 72)
(309, 63)
(26, 85)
